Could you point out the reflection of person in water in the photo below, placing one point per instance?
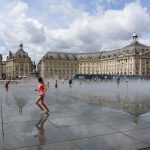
(56, 84)
(40, 127)
(6, 85)
(118, 80)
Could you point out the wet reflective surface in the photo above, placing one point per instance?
(96, 115)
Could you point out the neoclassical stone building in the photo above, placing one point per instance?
(56, 64)
(1, 66)
(133, 59)
(3, 69)
(18, 64)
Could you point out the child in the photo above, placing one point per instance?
(41, 90)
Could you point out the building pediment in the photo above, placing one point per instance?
(146, 53)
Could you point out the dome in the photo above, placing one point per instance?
(21, 52)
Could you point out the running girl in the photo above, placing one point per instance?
(40, 101)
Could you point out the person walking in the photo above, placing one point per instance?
(40, 100)
(70, 82)
(56, 84)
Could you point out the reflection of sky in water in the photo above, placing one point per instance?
(133, 99)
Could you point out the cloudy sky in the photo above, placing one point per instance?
(71, 25)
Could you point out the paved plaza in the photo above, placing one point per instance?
(90, 116)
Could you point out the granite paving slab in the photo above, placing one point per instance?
(110, 117)
(72, 121)
(66, 145)
(63, 114)
(116, 141)
(125, 125)
(19, 118)
(90, 110)
(86, 130)
(31, 138)
(25, 126)
(141, 134)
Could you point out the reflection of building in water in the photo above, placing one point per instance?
(133, 59)
(20, 106)
(20, 102)
(135, 105)
(40, 127)
(18, 64)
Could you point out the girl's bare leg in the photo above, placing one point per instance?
(38, 104)
(43, 104)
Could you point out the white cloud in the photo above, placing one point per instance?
(83, 31)
(19, 9)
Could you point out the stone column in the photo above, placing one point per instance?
(140, 64)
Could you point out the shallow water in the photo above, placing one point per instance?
(133, 97)
(99, 110)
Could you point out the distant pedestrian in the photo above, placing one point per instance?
(118, 80)
(56, 84)
(47, 84)
(40, 101)
(7, 85)
(70, 83)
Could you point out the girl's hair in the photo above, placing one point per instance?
(40, 80)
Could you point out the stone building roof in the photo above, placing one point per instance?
(133, 48)
(20, 53)
(137, 48)
(61, 55)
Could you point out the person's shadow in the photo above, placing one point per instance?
(40, 135)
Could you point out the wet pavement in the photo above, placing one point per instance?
(95, 116)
